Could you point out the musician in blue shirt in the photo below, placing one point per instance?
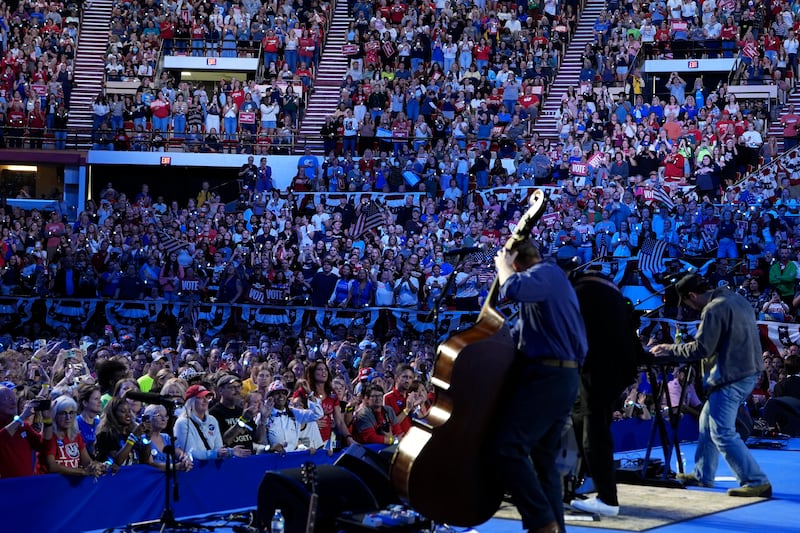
(551, 345)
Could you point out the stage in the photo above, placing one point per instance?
(647, 508)
(697, 510)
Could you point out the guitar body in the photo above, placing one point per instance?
(442, 468)
(443, 472)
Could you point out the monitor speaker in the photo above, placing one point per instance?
(373, 468)
(338, 489)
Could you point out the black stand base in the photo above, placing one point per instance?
(166, 523)
(652, 475)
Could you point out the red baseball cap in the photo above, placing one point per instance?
(197, 391)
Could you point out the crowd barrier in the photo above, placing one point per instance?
(136, 493)
(77, 315)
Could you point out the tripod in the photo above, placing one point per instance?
(167, 521)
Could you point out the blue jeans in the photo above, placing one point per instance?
(482, 179)
(727, 248)
(161, 124)
(197, 47)
(179, 124)
(718, 436)
(291, 59)
(448, 62)
(462, 180)
(117, 122)
(535, 409)
(230, 128)
(349, 144)
(61, 139)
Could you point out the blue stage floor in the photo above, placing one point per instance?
(781, 514)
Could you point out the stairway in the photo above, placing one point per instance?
(775, 129)
(332, 67)
(569, 70)
(89, 73)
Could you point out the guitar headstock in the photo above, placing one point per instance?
(308, 473)
(537, 202)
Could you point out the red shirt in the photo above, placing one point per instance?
(482, 52)
(772, 43)
(16, 118)
(17, 457)
(306, 47)
(36, 119)
(398, 11)
(370, 434)
(674, 166)
(328, 405)
(528, 100)
(198, 31)
(729, 33)
(722, 125)
(238, 97)
(396, 400)
(271, 44)
(159, 108)
(790, 122)
(67, 452)
(167, 30)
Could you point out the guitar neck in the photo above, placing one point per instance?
(522, 231)
(312, 513)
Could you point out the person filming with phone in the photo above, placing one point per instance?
(18, 439)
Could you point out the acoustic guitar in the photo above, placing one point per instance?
(442, 468)
(308, 473)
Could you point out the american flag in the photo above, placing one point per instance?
(651, 256)
(602, 245)
(171, 244)
(660, 194)
(484, 257)
(370, 218)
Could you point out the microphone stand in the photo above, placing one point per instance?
(167, 521)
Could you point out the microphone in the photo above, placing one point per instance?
(149, 397)
(461, 252)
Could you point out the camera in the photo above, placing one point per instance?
(41, 404)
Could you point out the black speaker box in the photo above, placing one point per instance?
(339, 490)
(373, 468)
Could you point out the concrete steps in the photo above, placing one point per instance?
(569, 70)
(90, 61)
(329, 76)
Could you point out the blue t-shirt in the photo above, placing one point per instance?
(89, 432)
(158, 456)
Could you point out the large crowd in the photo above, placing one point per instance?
(440, 115)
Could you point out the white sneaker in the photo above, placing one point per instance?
(596, 506)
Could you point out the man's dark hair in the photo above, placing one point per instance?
(792, 365)
(527, 252)
(373, 388)
(107, 371)
(403, 367)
